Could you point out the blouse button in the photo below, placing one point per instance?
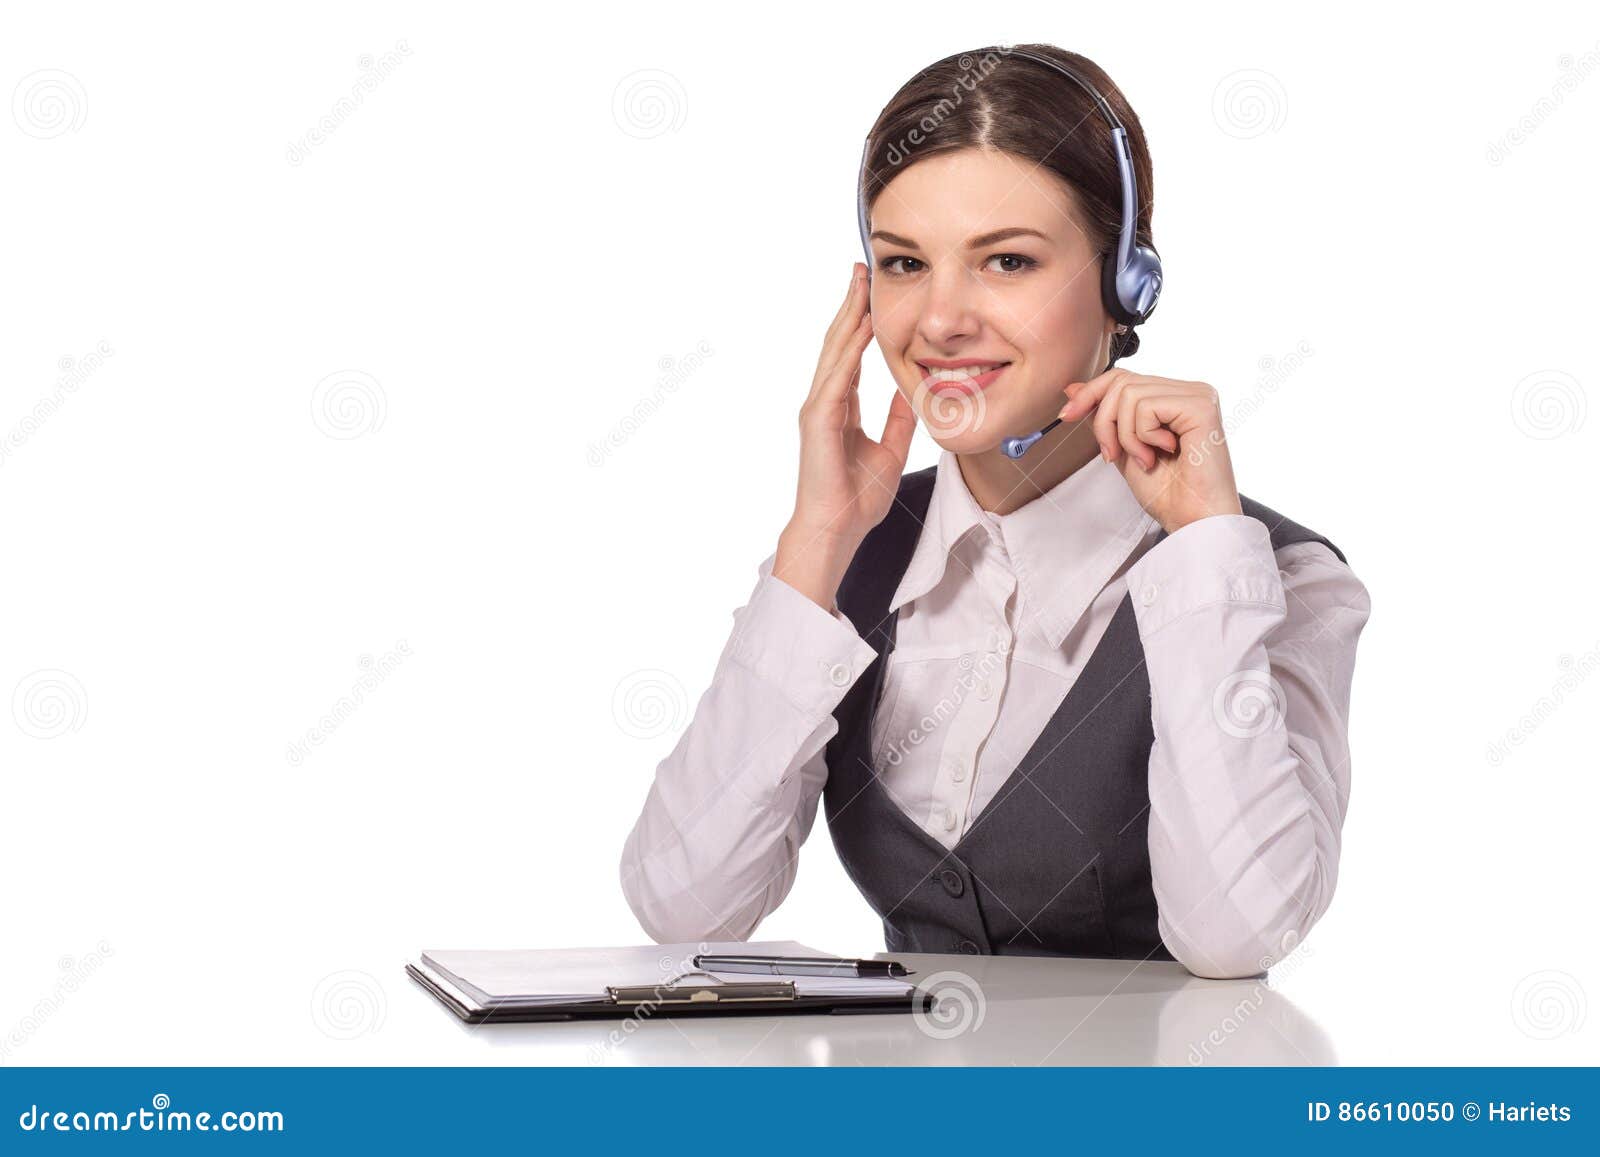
(949, 820)
(1148, 595)
(840, 674)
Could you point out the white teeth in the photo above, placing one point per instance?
(965, 373)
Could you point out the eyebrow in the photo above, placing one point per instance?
(977, 242)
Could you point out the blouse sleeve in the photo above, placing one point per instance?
(716, 846)
(1250, 657)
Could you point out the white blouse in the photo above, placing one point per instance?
(1250, 656)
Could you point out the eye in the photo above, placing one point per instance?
(887, 265)
(1024, 263)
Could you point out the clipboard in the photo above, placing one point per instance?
(670, 999)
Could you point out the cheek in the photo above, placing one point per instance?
(1061, 322)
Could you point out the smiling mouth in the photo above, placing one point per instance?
(965, 380)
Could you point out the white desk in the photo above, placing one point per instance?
(996, 1010)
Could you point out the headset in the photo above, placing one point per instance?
(1130, 277)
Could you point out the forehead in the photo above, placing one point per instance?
(944, 199)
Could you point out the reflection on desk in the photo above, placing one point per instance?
(991, 1010)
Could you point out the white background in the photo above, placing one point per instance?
(513, 238)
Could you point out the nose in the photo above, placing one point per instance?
(951, 303)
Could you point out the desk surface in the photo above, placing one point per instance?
(992, 1010)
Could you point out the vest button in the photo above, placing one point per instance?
(951, 879)
(968, 947)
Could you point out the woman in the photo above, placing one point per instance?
(1090, 701)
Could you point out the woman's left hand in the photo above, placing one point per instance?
(1166, 437)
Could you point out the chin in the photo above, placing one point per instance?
(973, 424)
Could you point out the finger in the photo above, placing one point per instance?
(1150, 418)
(1105, 418)
(898, 428)
(1084, 396)
(853, 414)
(851, 308)
(834, 378)
(1128, 427)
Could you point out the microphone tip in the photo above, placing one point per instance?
(1017, 447)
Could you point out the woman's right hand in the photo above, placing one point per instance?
(847, 481)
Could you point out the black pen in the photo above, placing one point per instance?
(800, 965)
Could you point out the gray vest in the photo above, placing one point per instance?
(1057, 863)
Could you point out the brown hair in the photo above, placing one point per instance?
(986, 98)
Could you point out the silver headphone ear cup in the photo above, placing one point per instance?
(1131, 298)
(1147, 287)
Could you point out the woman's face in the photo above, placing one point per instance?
(980, 257)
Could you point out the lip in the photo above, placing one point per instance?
(969, 386)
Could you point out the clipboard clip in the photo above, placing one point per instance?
(670, 992)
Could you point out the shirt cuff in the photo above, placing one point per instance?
(1223, 558)
(811, 657)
